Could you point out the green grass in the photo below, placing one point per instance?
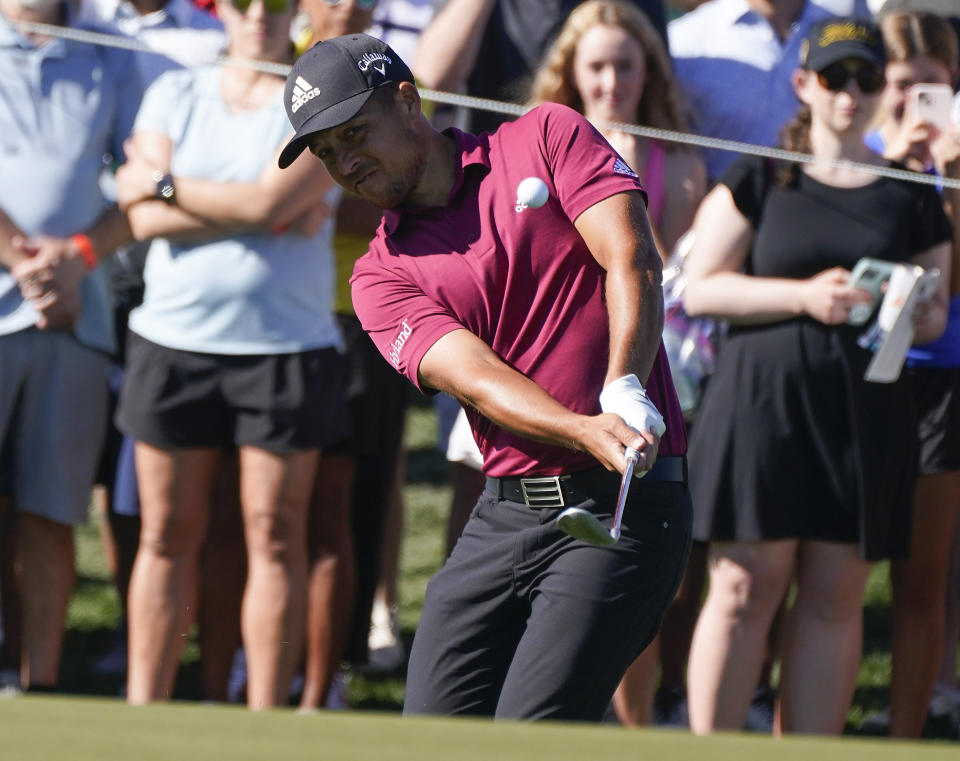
(95, 609)
(34, 728)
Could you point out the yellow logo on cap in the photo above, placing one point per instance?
(845, 31)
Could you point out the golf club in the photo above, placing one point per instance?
(584, 525)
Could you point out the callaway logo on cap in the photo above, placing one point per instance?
(332, 81)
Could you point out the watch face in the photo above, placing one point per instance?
(165, 189)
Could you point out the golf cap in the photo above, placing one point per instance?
(835, 39)
(331, 82)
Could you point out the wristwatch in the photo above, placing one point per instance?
(165, 190)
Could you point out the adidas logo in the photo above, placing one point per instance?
(303, 92)
(620, 167)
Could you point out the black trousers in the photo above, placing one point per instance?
(525, 622)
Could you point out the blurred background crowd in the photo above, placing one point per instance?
(178, 350)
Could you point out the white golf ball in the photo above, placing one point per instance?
(532, 192)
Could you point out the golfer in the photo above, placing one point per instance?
(545, 321)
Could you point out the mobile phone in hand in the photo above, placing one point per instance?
(870, 275)
(932, 103)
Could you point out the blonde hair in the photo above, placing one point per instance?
(661, 104)
(911, 34)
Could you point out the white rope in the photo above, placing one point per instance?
(513, 109)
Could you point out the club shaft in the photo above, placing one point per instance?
(631, 458)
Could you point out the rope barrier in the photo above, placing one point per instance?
(513, 109)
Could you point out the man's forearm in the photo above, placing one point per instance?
(635, 311)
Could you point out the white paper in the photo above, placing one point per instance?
(892, 335)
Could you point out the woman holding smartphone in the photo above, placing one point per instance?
(922, 53)
(801, 470)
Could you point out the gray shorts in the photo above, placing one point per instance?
(53, 417)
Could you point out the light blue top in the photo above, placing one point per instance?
(246, 294)
(735, 71)
(945, 351)
(65, 109)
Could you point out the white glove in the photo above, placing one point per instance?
(627, 398)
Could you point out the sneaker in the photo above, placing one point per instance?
(114, 662)
(943, 716)
(10, 683)
(237, 683)
(385, 651)
(876, 723)
(670, 707)
(760, 715)
(337, 698)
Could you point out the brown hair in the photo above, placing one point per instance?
(661, 104)
(795, 136)
(910, 34)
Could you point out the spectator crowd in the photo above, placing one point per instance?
(176, 327)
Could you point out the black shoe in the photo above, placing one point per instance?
(670, 707)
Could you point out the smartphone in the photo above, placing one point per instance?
(870, 275)
(932, 104)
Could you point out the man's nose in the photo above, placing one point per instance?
(346, 162)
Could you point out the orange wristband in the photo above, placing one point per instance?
(85, 247)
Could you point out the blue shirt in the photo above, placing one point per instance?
(65, 109)
(251, 293)
(181, 34)
(944, 351)
(735, 71)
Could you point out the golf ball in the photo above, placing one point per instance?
(532, 192)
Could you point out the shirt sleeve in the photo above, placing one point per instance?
(399, 317)
(157, 105)
(747, 179)
(931, 225)
(585, 168)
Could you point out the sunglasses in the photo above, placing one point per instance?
(364, 5)
(270, 6)
(835, 77)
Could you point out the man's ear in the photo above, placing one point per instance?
(408, 99)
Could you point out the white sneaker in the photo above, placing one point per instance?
(385, 650)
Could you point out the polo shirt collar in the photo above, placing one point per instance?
(471, 151)
(10, 37)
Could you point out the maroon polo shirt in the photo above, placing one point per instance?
(520, 278)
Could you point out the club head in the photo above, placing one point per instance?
(583, 525)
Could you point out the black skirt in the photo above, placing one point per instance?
(792, 443)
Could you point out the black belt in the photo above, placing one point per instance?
(574, 488)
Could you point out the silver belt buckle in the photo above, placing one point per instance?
(542, 492)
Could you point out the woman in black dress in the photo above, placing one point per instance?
(800, 469)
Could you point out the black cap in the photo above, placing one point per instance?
(834, 39)
(332, 81)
